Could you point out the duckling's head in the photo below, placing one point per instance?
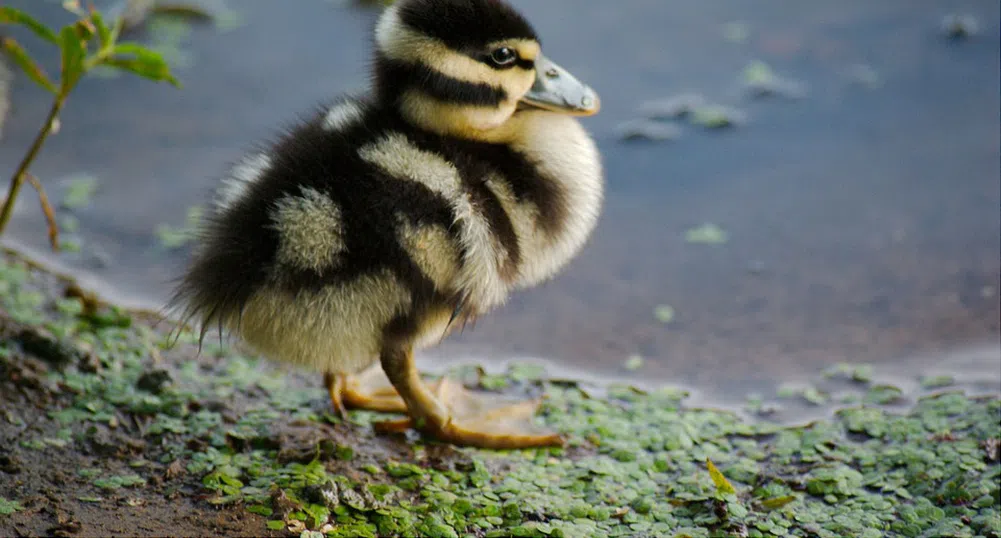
(468, 67)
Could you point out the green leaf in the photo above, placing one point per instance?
(260, 509)
(144, 69)
(723, 486)
(32, 69)
(103, 31)
(777, 502)
(172, 238)
(883, 395)
(73, 54)
(144, 62)
(9, 15)
(9, 507)
(633, 363)
(79, 190)
(136, 49)
(664, 313)
(707, 234)
(937, 382)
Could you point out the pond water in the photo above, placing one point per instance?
(862, 217)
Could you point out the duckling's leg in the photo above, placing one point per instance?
(455, 416)
(362, 392)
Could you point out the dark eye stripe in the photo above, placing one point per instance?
(401, 75)
(525, 64)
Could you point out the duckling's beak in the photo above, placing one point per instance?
(557, 90)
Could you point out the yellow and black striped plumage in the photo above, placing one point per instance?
(364, 231)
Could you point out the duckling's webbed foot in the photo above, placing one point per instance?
(451, 413)
(369, 390)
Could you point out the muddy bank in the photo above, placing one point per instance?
(106, 430)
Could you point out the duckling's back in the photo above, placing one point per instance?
(302, 249)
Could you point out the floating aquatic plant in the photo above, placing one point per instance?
(707, 234)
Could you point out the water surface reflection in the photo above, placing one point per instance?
(863, 218)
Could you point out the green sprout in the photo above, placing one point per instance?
(86, 44)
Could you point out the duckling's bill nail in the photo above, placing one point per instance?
(557, 90)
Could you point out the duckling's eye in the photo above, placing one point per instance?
(503, 56)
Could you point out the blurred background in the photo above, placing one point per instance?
(792, 187)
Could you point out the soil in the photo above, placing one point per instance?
(51, 491)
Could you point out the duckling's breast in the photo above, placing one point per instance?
(554, 202)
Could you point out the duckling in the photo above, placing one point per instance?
(381, 223)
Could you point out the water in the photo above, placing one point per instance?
(863, 219)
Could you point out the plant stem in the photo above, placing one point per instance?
(50, 214)
(19, 175)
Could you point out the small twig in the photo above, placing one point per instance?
(50, 214)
